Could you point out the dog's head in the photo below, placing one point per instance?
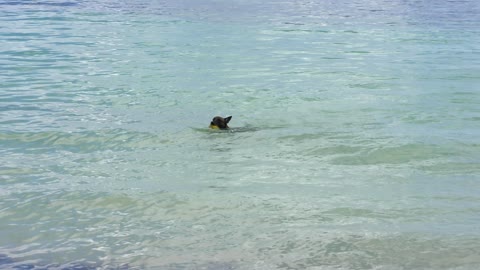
(220, 122)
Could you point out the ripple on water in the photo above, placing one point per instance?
(87, 141)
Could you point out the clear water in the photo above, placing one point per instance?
(355, 140)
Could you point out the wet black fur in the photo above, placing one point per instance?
(220, 122)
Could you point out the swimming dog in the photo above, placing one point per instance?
(220, 122)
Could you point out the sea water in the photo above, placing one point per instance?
(354, 142)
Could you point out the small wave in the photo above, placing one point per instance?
(452, 168)
(231, 130)
(394, 155)
(88, 141)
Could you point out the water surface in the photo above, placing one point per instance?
(354, 142)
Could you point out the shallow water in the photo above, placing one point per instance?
(354, 141)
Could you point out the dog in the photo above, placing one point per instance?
(220, 122)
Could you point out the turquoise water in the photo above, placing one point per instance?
(355, 140)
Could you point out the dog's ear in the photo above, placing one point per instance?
(227, 119)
